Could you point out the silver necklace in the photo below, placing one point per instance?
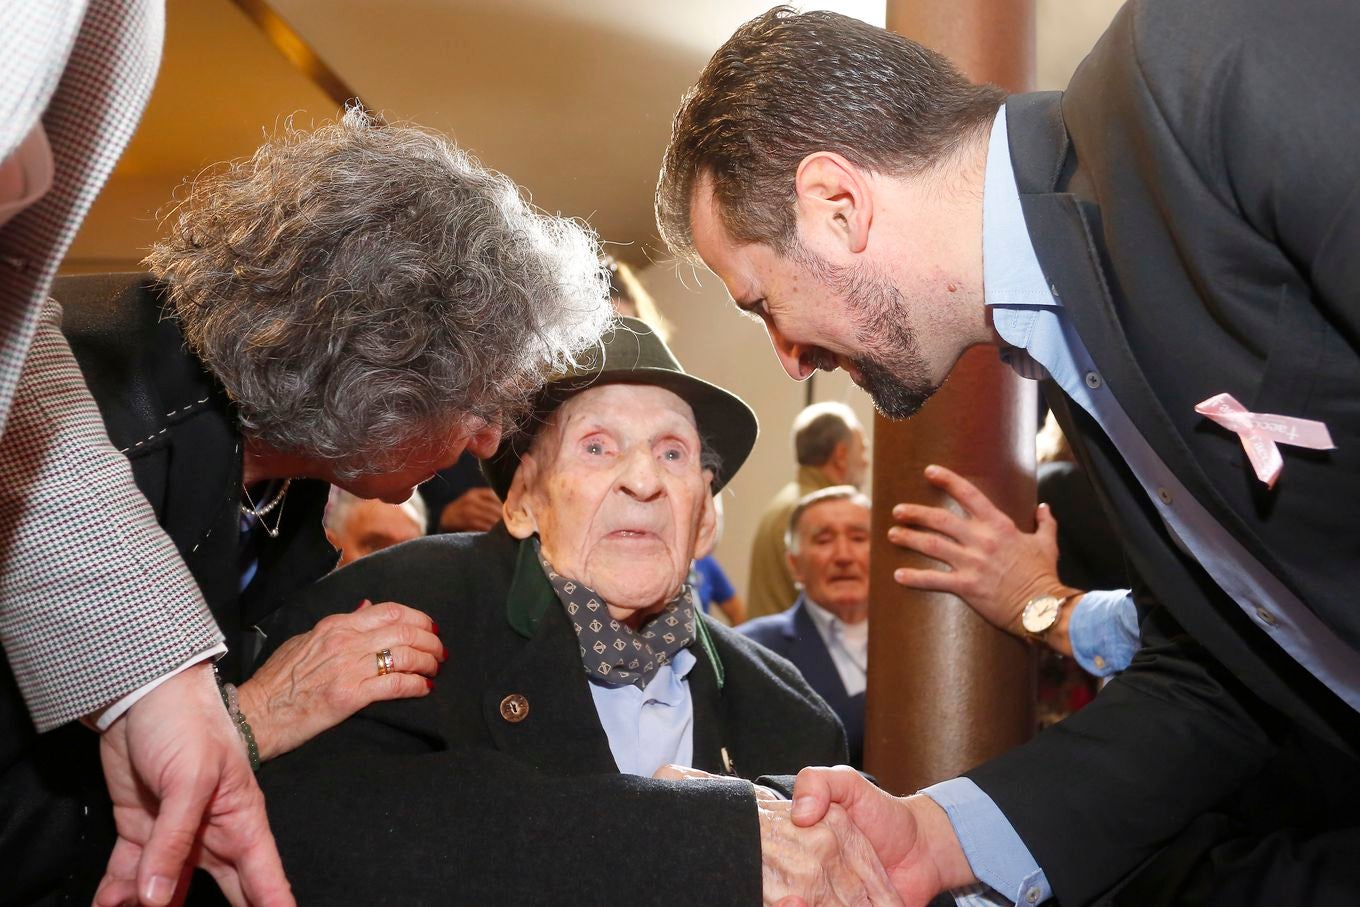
(259, 513)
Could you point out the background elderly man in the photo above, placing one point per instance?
(1139, 240)
(828, 445)
(826, 632)
(579, 667)
(358, 527)
(305, 323)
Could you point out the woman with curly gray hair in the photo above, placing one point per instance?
(356, 305)
(363, 290)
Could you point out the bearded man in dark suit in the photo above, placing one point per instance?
(579, 666)
(1171, 242)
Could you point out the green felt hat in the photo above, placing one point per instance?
(631, 353)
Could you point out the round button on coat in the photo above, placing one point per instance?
(514, 708)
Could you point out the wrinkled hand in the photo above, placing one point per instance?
(318, 679)
(830, 862)
(911, 836)
(993, 566)
(475, 510)
(182, 787)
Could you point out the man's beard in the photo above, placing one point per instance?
(891, 369)
(892, 397)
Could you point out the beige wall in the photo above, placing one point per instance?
(573, 100)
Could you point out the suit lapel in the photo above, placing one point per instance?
(710, 713)
(808, 651)
(560, 732)
(1065, 231)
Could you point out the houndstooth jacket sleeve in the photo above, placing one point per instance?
(94, 600)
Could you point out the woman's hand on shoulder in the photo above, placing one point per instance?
(316, 680)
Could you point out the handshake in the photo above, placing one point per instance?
(843, 841)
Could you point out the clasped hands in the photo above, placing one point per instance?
(843, 841)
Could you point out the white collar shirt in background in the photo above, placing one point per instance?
(848, 645)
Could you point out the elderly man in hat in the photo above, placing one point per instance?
(579, 666)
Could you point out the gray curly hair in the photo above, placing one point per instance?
(363, 286)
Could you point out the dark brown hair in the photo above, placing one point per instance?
(789, 84)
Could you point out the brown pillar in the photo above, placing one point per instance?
(947, 691)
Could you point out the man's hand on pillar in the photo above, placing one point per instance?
(992, 565)
(911, 836)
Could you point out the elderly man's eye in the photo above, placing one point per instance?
(594, 448)
(673, 454)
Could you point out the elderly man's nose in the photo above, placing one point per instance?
(641, 478)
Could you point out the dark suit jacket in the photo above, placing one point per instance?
(1090, 555)
(793, 635)
(444, 800)
(180, 433)
(1192, 200)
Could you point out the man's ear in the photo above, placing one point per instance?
(839, 461)
(794, 572)
(708, 522)
(520, 519)
(835, 200)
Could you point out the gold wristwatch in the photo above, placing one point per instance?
(1041, 613)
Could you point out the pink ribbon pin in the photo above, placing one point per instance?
(1260, 432)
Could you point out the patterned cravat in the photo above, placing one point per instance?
(614, 653)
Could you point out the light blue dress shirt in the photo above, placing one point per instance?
(651, 727)
(1104, 631)
(847, 646)
(1041, 342)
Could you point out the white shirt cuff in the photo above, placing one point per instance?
(101, 720)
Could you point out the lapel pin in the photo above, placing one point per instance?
(514, 708)
(1261, 432)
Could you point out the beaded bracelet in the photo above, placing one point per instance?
(233, 705)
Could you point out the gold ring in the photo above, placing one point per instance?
(384, 662)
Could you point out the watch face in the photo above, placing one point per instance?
(1040, 614)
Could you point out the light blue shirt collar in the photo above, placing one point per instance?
(650, 728)
(1010, 268)
(849, 650)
